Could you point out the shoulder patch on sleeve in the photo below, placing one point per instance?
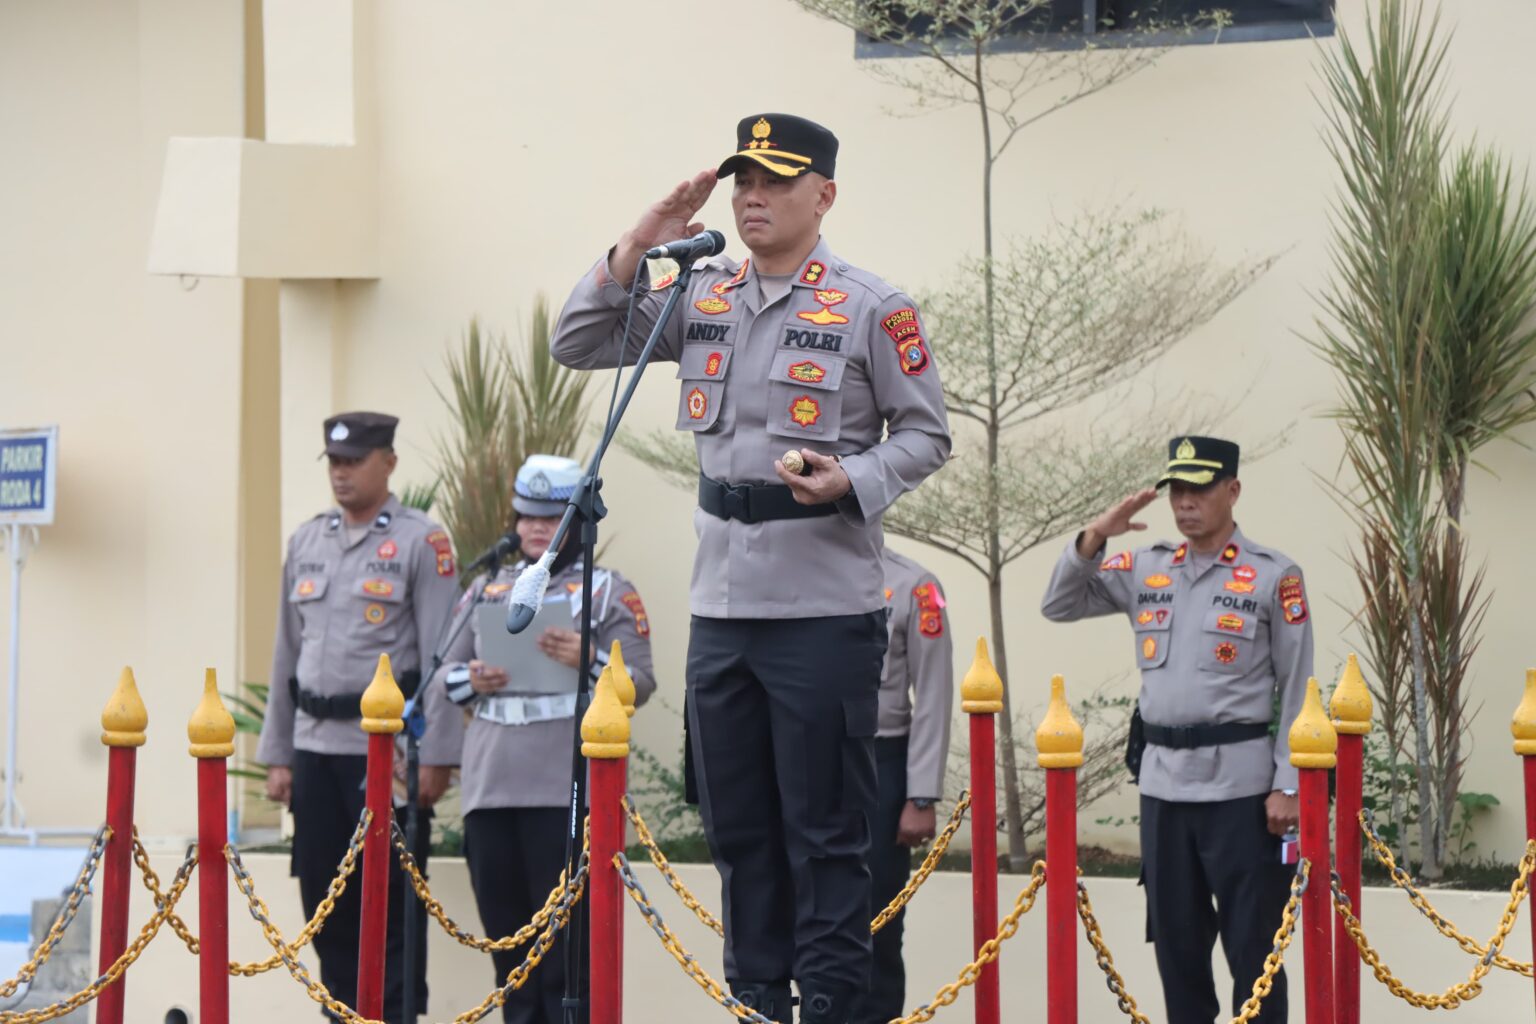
(1119, 563)
(636, 607)
(1293, 600)
(930, 608)
(438, 541)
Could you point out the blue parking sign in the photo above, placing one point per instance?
(28, 465)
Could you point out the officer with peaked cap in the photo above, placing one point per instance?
(369, 577)
(792, 348)
(516, 763)
(1221, 628)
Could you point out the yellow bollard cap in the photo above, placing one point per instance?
(1351, 703)
(981, 691)
(124, 719)
(383, 704)
(211, 728)
(1314, 743)
(1524, 725)
(623, 682)
(1059, 739)
(605, 726)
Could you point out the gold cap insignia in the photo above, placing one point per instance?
(762, 129)
(1186, 450)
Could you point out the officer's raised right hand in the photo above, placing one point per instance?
(1114, 522)
(485, 678)
(666, 221)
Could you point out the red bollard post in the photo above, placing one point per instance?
(123, 721)
(1351, 711)
(624, 686)
(212, 735)
(383, 706)
(1524, 730)
(605, 744)
(1313, 750)
(1059, 740)
(981, 697)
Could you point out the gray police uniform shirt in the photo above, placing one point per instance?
(839, 365)
(917, 687)
(1212, 646)
(529, 765)
(343, 604)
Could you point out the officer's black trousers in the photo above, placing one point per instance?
(782, 717)
(327, 802)
(890, 865)
(1191, 854)
(515, 857)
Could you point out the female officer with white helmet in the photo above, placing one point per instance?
(515, 768)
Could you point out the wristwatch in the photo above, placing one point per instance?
(922, 803)
(1287, 792)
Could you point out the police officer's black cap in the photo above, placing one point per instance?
(783, 143)
(353, 435)
(1200, 460)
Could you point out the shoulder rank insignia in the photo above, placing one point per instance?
(1157, 581)
(1119, 563)
(814, 272)
(1229, 554)
(1179, 554)
(1293, 601)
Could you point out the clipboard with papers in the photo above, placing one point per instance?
(518, 653)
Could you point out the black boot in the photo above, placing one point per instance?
(771, 999)
(825, 1005)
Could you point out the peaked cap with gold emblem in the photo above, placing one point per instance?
(785, 144)
(1200, 460)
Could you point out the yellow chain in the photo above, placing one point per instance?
(152, 883)
(1105, 960)
(434, 906)
(317, 991)
(1404, 882)
(940, 845)
(65, 916)
(121, 964)
(1461, 991)
(1283, 935)
(692, 902)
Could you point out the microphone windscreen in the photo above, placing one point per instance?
(528, 593)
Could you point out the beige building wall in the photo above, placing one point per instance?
(511, 144)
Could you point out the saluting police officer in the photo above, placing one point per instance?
(369, 577)
(793, 348)
(515, 770)
(1221, 627)
(911, 750)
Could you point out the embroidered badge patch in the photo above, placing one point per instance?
(1144, 619)
(1246, 573)
(901, 324)
(388, 550)
(805, 410)
(914, 357)
(1293, 601)
(1226, 652)
(1230, 623)
(1119, 563)
(636, 607)
(493, 590)
(378, 588)
(712, 364)
(807, 372)
(930, 601)
(712, 307)
(1149, 648)
(374, 613)
(889, 593)
(1157, 581)
(1238, 587)
(698, 404)
(814, 272)
(439, 542)
(306, 588)
(824, 316)
(1229, 554)
(1162, 616)
(1179, 554)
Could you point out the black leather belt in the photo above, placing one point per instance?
(343, 705)
(753, 503)
(1203, 734)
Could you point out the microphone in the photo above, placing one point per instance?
(527, 595)
(705, 243)
(493, 555)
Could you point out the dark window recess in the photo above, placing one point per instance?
(1123, 13)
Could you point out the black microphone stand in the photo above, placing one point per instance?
(415, 727)
(586, 505)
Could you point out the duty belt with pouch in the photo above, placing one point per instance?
(755, 503)
(1202, 734)
(505, 709)
(344, 705)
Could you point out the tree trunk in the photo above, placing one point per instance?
(1013, 812)
(1429, 808)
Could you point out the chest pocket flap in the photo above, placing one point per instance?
(308, 588)
(702, 370)
(390, 590)
(813, 370)
(704, 362)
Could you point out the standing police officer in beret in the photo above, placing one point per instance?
(369, 577)
(1221, 629)
(515, 772)
(793, 348)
